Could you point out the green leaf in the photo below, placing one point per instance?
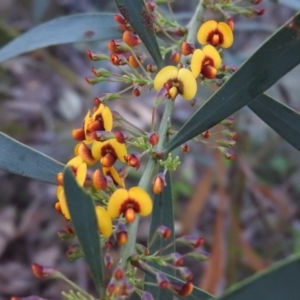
(83, 216)
(63, 30)
(20, 159)
(137, 15)
(277, 56)
(278, 282)
(281, 118)
(162, 214)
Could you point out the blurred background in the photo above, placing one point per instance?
(248, 209)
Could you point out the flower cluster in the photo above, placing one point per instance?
(99, 145)
(204, 62)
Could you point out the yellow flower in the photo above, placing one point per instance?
(128, 203)
(104, 221)
(79, 168)
(206, 61)
(176, 81)
(85, 153)
(215, 33)
(108, 152)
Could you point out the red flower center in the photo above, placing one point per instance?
(215, 38)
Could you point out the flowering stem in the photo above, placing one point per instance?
(129, 248)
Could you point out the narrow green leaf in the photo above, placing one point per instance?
(162, 214)
(71, 29)
(137, 15)
(20, 159)
(277, 56)
(281, 118)
(278, 282)
(197, 293)
(83, 216)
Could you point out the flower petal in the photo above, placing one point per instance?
(112, 172)
(107, 118)
(63, 205)
(81, 174)
(213, 53)
(96, 149)
(115, 202)
(204, 31)
(75, 162)
(104, 221)
(196, 62)
(189, 83)
(163, 76)
(120, 149)
(226, 31)
(143, 199)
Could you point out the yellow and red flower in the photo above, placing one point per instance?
(206, 62)
(216, 34)
(128, 203)
(176, 81)
(109, 152)
(104, 221)
(115, 176)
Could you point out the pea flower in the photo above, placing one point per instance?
(115, 176)
(216, 34)
(176, 81)
(109, 152)
(128, 203)
(206, 62)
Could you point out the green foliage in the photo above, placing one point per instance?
(281, 281)
(83, 215)
(20, 159)
(277, 56)
(136, 13)
(283, 119)
(63, 30)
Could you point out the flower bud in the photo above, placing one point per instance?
(120, 19)
(175, 56)
(137, 90)
(227, 153)
(158, 183)
(110, 242)
(162, 280)
(200, 256)
(121, 136)
(95, 56)
(101, 72)
(206, 134)
(108, 261)
(151, 68)
(228, 122)
(230, 23)
(78, 134)
(44, 272)
(182, 289)
(255, 2)
(114, 46)
(131, 39)
(65, 235)
(102, 136)
(164, 232)
(147, 296)
(141, 249)
(187, 48)
(230, 134)
(226, 143)
(133, 62)
(180, 31)
(185, 273)
(60, 178)
(121, 234)
(177, 259)
(133, 160)
(86, 153)
(153, 138)
(118, 274)
(99, 180)
(185, 148)
(117, 60)
(190, 240)
(260, 12)
(74, 252)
